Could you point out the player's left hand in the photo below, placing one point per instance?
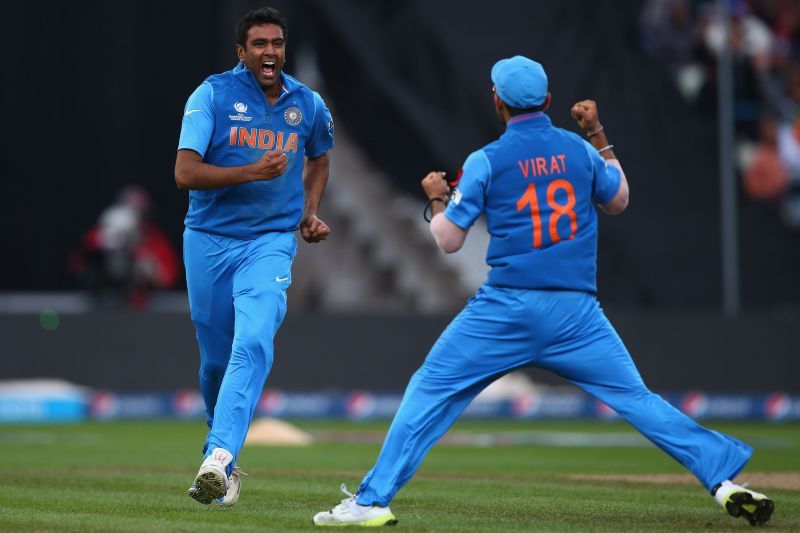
(435, 185)
(313, 229)
(585, 114)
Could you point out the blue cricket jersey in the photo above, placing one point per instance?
(537, 185)
(229, 122)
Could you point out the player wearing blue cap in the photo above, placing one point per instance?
(538, 186)
(253, 152)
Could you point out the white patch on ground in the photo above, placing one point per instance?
(273, 432)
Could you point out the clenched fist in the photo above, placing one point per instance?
(585, 114)
(313, 229)
(269, 166)
(435, 185)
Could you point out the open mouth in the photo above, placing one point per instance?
(268, 68)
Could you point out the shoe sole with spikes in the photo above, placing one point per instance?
(756, 511)
(208, 486)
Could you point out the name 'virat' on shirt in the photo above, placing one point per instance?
(538, 166)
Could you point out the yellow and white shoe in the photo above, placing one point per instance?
(740, 501)
(234, 486)
(349, 513)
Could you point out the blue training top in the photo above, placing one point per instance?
(537, 184)
(229, 122)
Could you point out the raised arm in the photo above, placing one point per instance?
(585, 113)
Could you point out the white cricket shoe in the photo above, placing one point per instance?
(740, 501)
(211, 481)
(349, 513)
(234, 486)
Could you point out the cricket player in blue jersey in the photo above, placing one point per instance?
(253, 153)
(538, 186)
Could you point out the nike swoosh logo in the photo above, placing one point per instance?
(191, 111)
(281, 280)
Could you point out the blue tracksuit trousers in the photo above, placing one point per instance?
(237, 295)
(503, 329)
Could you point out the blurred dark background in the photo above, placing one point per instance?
(93, 93)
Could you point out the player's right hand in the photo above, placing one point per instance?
(585, 114)
(270, 165)
(435, 185)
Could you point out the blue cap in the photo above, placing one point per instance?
(520, 82)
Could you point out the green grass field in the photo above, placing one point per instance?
(133, 476)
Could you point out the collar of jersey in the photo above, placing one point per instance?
(289, 84)
(538, 118)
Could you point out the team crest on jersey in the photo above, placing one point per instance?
(240, 107)
(456, 196)
(293, 116)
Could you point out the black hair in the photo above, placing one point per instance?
(514, 111)
(256, 17)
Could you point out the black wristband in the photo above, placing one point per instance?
(429, 205)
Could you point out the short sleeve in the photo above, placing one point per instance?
(320, 140)
(469, 196)
(197, 127)
(605, 178)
